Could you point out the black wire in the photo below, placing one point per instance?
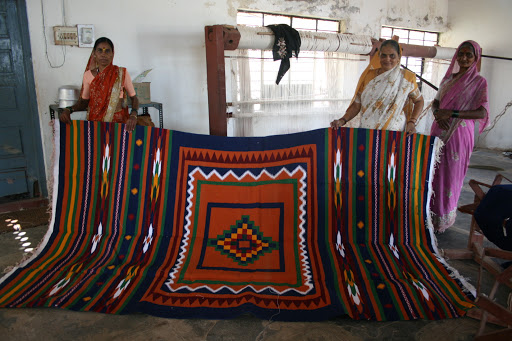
(435, 87)
(422, 79)
(495, 57)
(46, 43)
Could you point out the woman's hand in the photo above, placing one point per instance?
(131, 123)
(338, 123)
(410, 128)
(65, 116)
(442, 117)
(443, 114)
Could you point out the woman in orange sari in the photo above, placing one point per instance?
(103, 89)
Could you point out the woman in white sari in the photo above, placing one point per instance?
(382, 93)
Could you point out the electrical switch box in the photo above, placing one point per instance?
(65, 35)
(85, 35)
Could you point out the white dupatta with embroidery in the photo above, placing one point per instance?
(383, 100)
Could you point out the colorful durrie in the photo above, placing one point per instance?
(304, 226)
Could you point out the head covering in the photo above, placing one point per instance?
(373, 65)
(92, 63)
(384, 96)
(286, 45)
(469, 91)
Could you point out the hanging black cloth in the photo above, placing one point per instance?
(286, 45)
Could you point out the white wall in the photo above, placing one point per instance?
(488, 23)
(168, 36)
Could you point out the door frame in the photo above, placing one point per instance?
(34, 124)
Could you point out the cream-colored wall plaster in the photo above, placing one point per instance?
(360, 16)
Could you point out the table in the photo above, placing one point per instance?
(156, 105)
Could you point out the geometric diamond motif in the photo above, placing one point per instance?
(243, 242)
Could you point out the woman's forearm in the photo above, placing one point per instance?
(135, 102)
(417, 109)
(470, 114)
(443, 114)
(80, 105)
(352, 111)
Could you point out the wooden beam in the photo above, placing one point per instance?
(216, 80)
(457, 254)
(23, 205)
(493, 308)
(217, 39)
(476, 314)
(500, 335)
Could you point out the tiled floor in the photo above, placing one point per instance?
(55, 324)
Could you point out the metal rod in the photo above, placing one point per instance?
(495, 57)
(422, 79)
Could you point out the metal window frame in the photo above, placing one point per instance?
(409, 30)
(291, 17)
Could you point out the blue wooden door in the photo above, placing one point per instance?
(21, 157)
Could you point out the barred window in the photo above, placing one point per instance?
(414, 37)
(254, 18)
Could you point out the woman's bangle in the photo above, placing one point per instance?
(344, 119)
(412, 121)
(70, 110)
(455, 113)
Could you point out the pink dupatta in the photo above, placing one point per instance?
(467, 91)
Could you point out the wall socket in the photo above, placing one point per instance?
(65, 35)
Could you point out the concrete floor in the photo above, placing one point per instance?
(56, 324)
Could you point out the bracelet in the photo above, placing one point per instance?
(70, 110)
(412, 121)
(135, 111)
(455, 113)
(344, 119)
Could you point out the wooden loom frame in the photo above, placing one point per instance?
(224, 37)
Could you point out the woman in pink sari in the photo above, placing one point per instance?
(461, 99)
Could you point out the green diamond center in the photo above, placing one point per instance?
(243, 242)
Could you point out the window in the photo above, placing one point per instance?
(413, 37)
(253, 18)
(315, 90)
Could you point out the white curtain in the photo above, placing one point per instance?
(433, 72)
(317, 89)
